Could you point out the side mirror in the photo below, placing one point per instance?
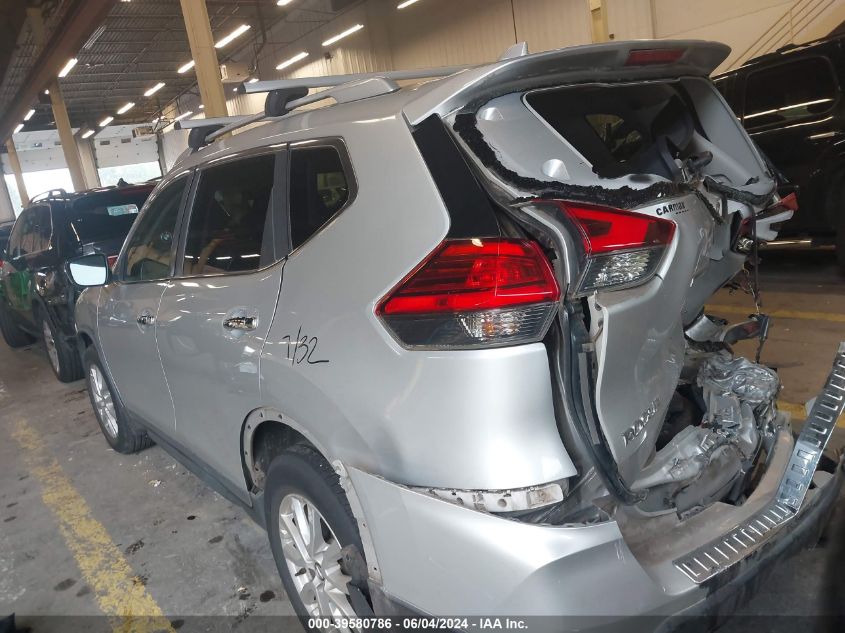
(89, 270)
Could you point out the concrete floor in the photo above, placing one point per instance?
(82, 527)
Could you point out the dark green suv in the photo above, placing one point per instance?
(36, 294)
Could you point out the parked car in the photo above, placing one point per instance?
(37, 296)
(448, 343)
(790, 101)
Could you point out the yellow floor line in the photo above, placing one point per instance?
(833, 317)
(798, 412)
(119, 592)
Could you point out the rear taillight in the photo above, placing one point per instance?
(622, 248)
(111, 260)
(474, 293)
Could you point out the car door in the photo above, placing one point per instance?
(10, 273)
(215, 314)
(129, 305)
(32, 262)
(788, 111)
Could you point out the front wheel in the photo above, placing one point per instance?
(63, 357)
(119, 432)
(311, 526)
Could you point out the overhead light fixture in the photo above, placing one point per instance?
(68, 67)
(186, 67)
(87, 133)
(253, 80)
(407, 3)
(94, 37)
(18, 128)
(202, 106)
(243, 28)
(29, 115)
(46, 92)
(340, 36)
(292, 60)
(183, 115)
(284, 3)
(126, 107)
(106, 121)
(154, 89)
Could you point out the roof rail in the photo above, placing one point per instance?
(336, 80)
(49, 195)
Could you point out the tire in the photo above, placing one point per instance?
(301, 474)
(63, 357)
(12, 334)
(119, 432)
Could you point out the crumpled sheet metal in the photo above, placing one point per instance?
(750, 382)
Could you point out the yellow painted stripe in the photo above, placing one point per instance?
(833, 317)
(798, 412)
(119, 592)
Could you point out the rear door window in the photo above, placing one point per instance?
(150, 252)
(36, 231)
(230, 217)
(789, 92)
(319, 189)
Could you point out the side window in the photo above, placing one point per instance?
(149, 251)
(787, 92)
(228, 221)
(36, 230)
(43, 229)
(16, 238)
(319, 188)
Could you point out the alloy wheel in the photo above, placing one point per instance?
(103, 401)
(50, 344)
(312, 553)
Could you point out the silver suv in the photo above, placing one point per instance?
(448, 342)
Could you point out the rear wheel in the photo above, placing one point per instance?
(119, 432)
(310, 524)
(12, 334)
(64, 360)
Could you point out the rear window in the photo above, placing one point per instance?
(621, 130)
(104, 216)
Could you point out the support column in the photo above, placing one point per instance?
(205, 57)
(7, 208)
(16, 170)
(69, 149)
(598, 16)
(89, 162)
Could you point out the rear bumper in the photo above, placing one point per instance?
(438, 558)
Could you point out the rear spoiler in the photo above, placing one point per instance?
(610, 62)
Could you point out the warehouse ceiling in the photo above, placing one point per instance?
(140, 43)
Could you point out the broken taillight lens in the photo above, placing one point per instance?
(622, 248)
(474, 293)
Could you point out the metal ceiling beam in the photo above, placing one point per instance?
(80, 20)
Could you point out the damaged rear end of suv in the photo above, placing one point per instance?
(625, 169)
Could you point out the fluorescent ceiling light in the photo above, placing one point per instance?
(284, 3)
(126, 107)
(29, 115)
(340, 36)
(154, 89)
(68, 67)
(183, 115)
(106, 121)
(243, 28)
(46, 92)
(87, 134)
(186, 67)
(253, 80)
(18, 128)
(94, 37)
(407, 3)
(292, 60)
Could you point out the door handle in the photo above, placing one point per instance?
(146, 318)
(240, 323)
